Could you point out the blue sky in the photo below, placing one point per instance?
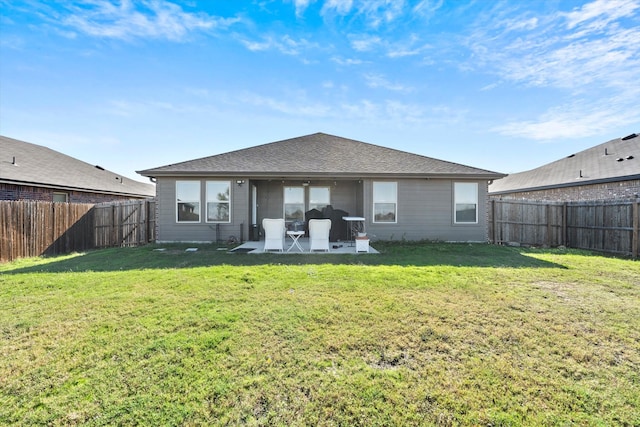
(500, 85)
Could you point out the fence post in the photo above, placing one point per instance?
(548, 215)
(114, 227)
(147, 205)
(494, 236)
(636, 226)
(565, 225)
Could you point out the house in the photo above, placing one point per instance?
(33, 172)
(400, 195)
(605, 172)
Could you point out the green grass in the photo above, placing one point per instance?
(422, 334)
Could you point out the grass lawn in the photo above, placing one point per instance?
(422, 334)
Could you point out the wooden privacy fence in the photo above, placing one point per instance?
(130, 223)
(607, 226)
(34, 228)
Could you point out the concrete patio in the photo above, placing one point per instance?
(257, 247)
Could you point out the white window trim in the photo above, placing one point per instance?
(455, 203)
(189, 201)
(60, 193)
(373, 206)
(206, 209)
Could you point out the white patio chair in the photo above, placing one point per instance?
(319, 234)
(273, 234)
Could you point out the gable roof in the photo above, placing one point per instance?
(23, 163)
(323, 155)
(615, 160)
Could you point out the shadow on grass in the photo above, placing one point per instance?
(391, 253)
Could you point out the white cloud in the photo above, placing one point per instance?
(578, 120)
(341, 7)
(347, 61)
(427, 7)
(601, 13)
(376, 81)
(410, 45)
(297, 105)
(590, 58)
(12, 42)
(522, 24)
(149, 19)
(366, 43)
(285, 44)
(301, 6)
(292, 105)
(542, 52)
(375, 13)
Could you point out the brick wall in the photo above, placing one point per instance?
(24, 192)
(622, 190)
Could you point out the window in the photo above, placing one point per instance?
(466, 202)
(188, 201)
(294, 203)
(385, 201)
(319, 198)
(60, 197)
(218, 201)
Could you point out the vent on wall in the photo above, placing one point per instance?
(628, 137)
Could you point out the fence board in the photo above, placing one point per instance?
(124, 224)
(34, 228)
(607, 226)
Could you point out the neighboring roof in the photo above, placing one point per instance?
(23, 163)
(321, 155)
(615, 160)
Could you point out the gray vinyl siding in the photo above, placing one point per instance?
(171, 231)
(347, 196)
(425, 211)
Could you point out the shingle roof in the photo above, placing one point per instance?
(320, 154)
(23, 163)
(615, 160)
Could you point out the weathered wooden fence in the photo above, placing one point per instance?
(34, 228)
(607, 226)
(130, 223)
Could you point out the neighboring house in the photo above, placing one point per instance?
(33, 172)
(605, 172)
(400, 195)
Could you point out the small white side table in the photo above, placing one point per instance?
(350, 225)
(295, 235)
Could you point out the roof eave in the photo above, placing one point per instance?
(349, 175)
(567, 184)
(69, 188)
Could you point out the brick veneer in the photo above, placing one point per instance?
(24, 192)
(606, 191)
